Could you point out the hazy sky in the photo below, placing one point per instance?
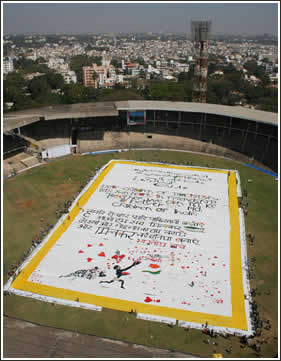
(75, 18)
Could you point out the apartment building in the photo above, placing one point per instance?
(8, 66)
(95, 75)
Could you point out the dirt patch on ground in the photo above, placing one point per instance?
(27, 204)
(17, 191)
(64, 188)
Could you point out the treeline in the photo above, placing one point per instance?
(50, 89)
(231, 88)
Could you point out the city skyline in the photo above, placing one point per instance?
(80, 18)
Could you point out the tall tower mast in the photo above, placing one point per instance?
(200, 34)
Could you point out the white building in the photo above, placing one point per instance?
(70, 77)
(119, 78)
(135, 72)
(32, 56)
(106, 60)
(33, 75)
(8, 66)
(56, 63)
(269, 68)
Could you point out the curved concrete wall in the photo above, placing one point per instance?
(127, 140)
(194, 131)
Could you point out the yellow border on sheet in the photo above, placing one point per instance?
(238, 319)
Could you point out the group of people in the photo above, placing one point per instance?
(254, 315)
(174, 162)
(251, 238)
(243, 203)
(36, 240)
(249, 341)
(209, 332)
(246, 341)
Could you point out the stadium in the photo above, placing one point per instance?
(68, 155)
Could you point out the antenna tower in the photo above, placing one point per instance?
(200, 34)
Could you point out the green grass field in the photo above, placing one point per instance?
(39, 192)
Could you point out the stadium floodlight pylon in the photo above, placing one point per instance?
(200, 34)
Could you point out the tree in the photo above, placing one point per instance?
(261, 74)
(90, 94)
(268, 104)
(48, 98)
(229, 69)
(211, 97)
(140, 60)
(89, 47)
(219, 91)
(134, 83)
(30, 66)
(38, 86)
(118, 86)
(176, 92)
(236, 78)
(73, 93)
(13, 90)
(211, 68)
(183, 76)
(116, 63)
(265, 60)
(18, 97)
(252, 93)
(14, 79)
(158, 91)
(222, 88)
(188, 87)
(40, 60)
(251, 66)
(55, 80)
(258, 71)
(119, 95)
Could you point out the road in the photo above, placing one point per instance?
(23, 339)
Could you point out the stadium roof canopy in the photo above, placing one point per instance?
(224, 110)
(17, 119)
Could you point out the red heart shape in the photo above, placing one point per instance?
(89, 259)
(81, 251)
(148, 299)
(153, 265)
(102, 254)
(90, 245)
